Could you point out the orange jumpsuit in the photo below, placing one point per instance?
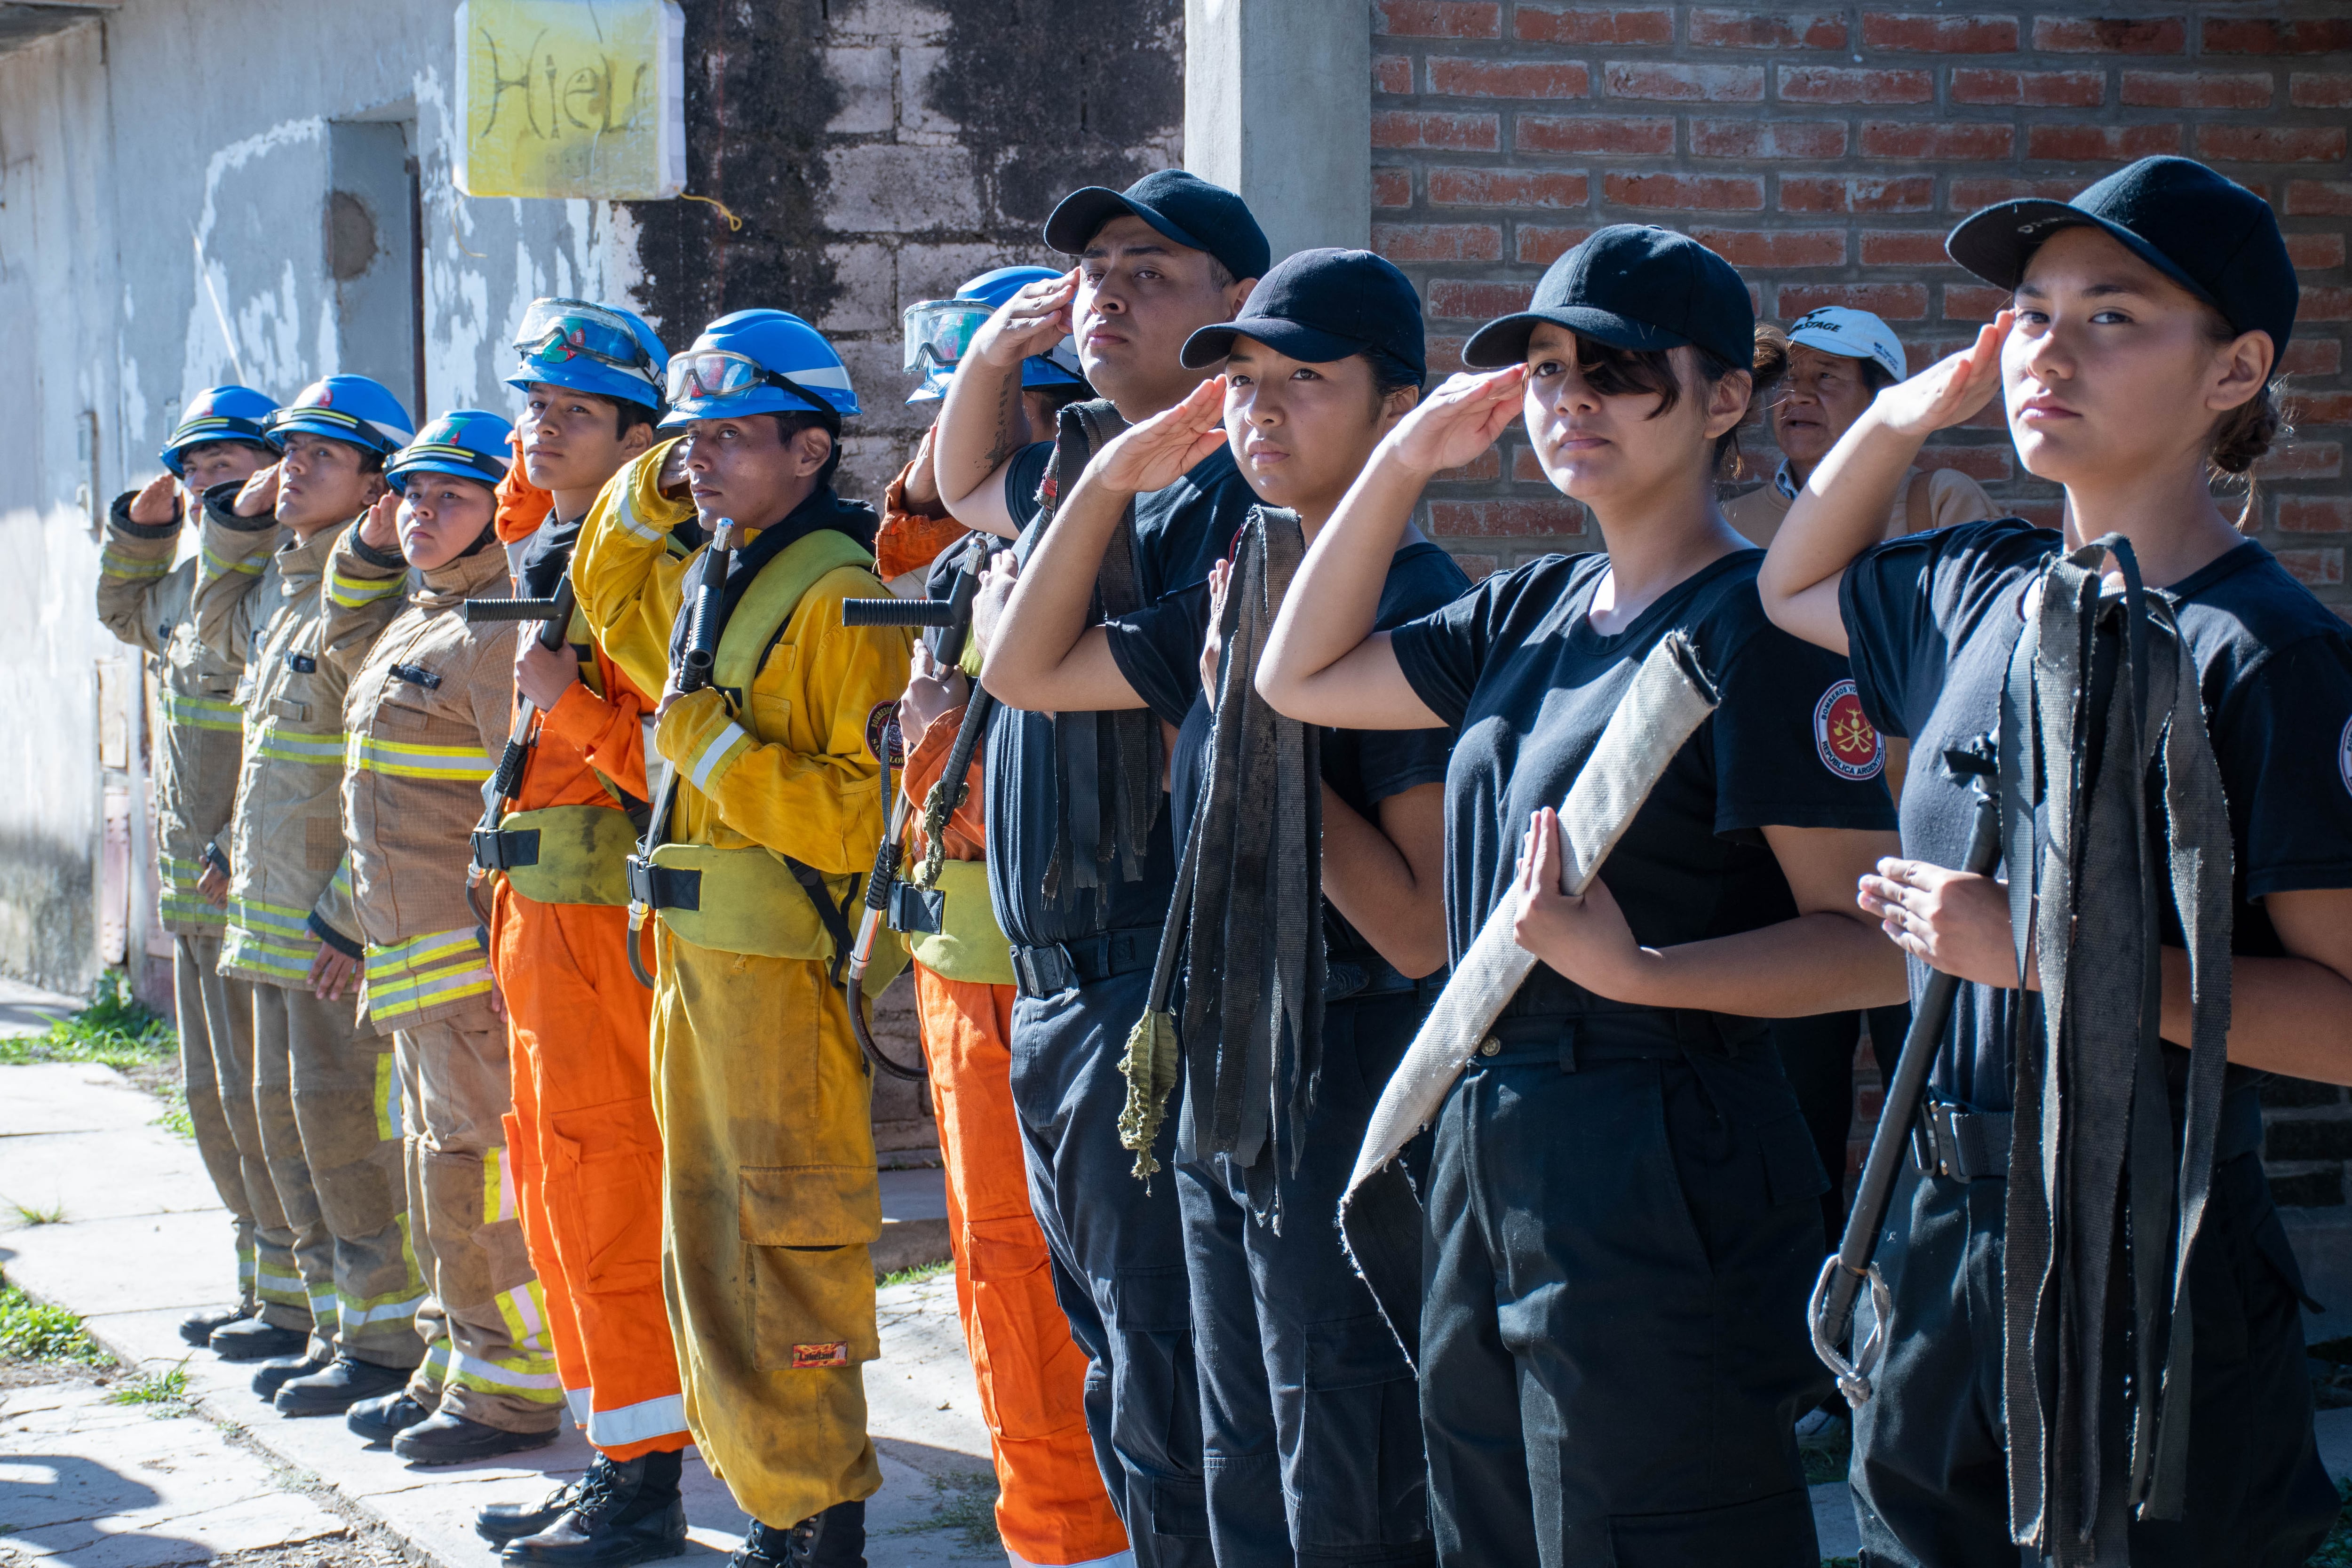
(587, 1154)
(1051, 1506)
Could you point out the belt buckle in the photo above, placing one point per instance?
(489, 849)
(1935, 1143)
(1044, 970)
(640, 873)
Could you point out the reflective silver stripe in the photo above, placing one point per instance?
(708, 763)
(627, 516)
(637, 1423)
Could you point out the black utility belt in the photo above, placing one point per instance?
(1048, 968)
(1365, 976)
(1973, 1145)
(1573, 1041)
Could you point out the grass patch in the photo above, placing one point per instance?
(54, 1214)
(166, 1391)
(2336, 1552)
(965, 1502)
(32, 1332)
(176, 1119)
(116, 1029)
(917, 1274)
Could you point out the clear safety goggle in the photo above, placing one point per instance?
(707, 373)
(938, 331)
(557, 332)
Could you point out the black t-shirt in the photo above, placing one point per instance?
(1363, 767)
(1180, 533)
(1932, 620)
(1518, 667)
(1023, 475)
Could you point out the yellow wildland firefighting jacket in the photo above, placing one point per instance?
(774, 753)
(289, 888)
(424, 718)
(150, 603)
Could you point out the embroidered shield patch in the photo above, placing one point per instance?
(1846, 741)
(807, 1358)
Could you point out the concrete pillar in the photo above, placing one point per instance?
(1277, 105)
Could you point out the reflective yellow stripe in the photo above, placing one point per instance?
(113, 563)
(389, 1123)
(190, 907)
(403, 759)
(317, 748)
(271, 916)
(498, 1187)
(201, 713)
(351, 593)
(243, 950)
(404, 978)
(251, 566)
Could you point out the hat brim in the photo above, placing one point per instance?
(1082, 214)
(400, 474)
(1309, 345)
(1998, 243)
(1504, 341)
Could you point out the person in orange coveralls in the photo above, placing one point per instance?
(586, 1151)
(1051, 1506)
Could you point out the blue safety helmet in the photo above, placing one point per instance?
(348, 408)
(220, 414)
(1058, 366)
(601, 350)
(758, 361)
(470, 443)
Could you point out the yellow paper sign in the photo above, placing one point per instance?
(572, 98)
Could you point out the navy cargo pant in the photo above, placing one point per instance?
(1312, 1423)
(1931, 1472)
(1817, 1057)
(1623, 1231)
(1118, 1252)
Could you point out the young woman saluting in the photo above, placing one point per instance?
(2136, 360)
(1621, 1204)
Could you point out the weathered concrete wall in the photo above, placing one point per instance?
(879, 151)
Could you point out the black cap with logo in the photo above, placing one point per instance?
(2209, 235)
(1318, 306)
(1181, 205)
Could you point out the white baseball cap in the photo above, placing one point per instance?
(1855, 334)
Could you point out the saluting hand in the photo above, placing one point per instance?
(1160, 450)
(260, 493)
(156, 502)
(1583, 937)
(381, 531)
(1456, 423)
(1030, 322)
(1949, 391)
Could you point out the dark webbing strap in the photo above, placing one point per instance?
(1107, 766)
(2097, 687)
(1253, 1014)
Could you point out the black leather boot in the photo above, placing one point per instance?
(627, 1511)
(386, 1416)
(198, 1327)
(503, 1522)
(446, 1439)
(272, 1375)
(335, 1390)
(834, 1539)
(250, 1339)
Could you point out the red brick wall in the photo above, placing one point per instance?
(1825, 152)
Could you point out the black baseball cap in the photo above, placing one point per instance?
(2209, 235)
(1321, 306)
(1179, 205)
(1631, 286)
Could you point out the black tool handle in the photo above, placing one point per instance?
(702, 622)
(1900, 1105)
(558, 608)
(895, 612)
